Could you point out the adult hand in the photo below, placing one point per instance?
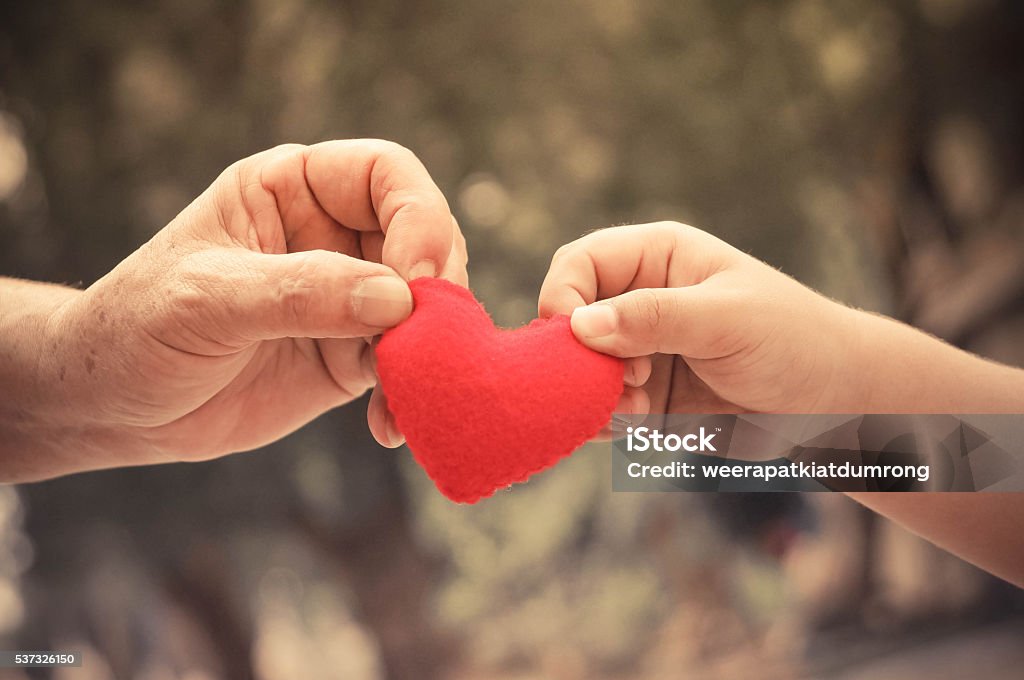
(248, 315)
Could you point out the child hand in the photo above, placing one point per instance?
(707, 328)
(704, 326)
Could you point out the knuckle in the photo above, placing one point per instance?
(647, 309)
(414, 205)
(225, 188)
(294, 291)
(673, 228)
(563, 252)
(229, 175)
(419, 208)
(288, 147)
(254, 163)
(593, 238)
(388, 148)
(385, 148)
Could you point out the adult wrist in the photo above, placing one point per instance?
(31, 417)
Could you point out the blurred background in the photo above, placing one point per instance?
(873, 149)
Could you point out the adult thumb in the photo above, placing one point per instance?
(652, 320)
(309, 294)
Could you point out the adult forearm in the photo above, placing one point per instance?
(42, 434)
(28, 348)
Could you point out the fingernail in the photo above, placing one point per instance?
(423, 268)
(594, 321)
(395, 438)
(382, 301)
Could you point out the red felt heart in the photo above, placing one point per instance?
(482, 407)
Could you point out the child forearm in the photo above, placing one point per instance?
(899, 369)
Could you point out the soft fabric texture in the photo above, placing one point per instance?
(481, 407)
